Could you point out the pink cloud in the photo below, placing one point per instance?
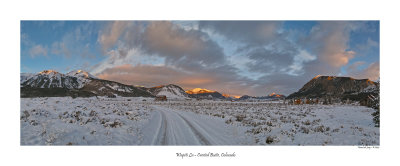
(371, 72)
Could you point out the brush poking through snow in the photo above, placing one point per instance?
(143, 121)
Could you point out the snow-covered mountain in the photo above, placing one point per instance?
(204, 93)
(75, 83)
(170, 91)
(80, 73)
(101, 87)
(82, 76)
(50, 79)
(25, 76)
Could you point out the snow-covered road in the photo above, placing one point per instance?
(171, 127)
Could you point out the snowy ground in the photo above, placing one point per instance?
(142, 121)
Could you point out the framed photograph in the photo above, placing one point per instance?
(195, 82)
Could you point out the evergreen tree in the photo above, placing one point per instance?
(376, 105)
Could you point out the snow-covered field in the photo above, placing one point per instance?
(142, 121)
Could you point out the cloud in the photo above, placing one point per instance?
(25, 40)
(186, 49)
(269, 60)
(75, 43)
(112, 33)
(366, 47)
(33, 49)
(133, 56)
(355, 66)
(371, 72)
(150, 75)
(264, 47)
(329, 40)
(298, 62)
(251, 32)
(60, 48)
(267, 48)
(141, 74)
(195, 52)
(38, 50)
(372, 43)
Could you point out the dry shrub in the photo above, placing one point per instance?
(240, 118)
(270, 140)
(304, 130)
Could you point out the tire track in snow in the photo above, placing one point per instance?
(165, 124)
(200, 137)
(161, 136)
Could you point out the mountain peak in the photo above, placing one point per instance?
(327, 77)
(199, 90)
(273, 94)
(80, 73)
(169, 85)
(316, 77)
(170, 90)
(204, 93)
(231, 96)
(48, 72)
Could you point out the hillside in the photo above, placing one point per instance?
(337, 87)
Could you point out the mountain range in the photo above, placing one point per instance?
(78, 83)
(272, 96)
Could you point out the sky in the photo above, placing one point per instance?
(233, 57)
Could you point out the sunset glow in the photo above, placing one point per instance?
(199, 91)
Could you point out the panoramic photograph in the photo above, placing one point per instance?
(236, 83)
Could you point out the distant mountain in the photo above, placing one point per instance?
(227, 96)
(275, 95)
(204, 93)
(170, 91)
(50, 83)
(337, 87)
(199, 91)
(245, 97)
(272, 96)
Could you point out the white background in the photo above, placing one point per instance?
(12, 12)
